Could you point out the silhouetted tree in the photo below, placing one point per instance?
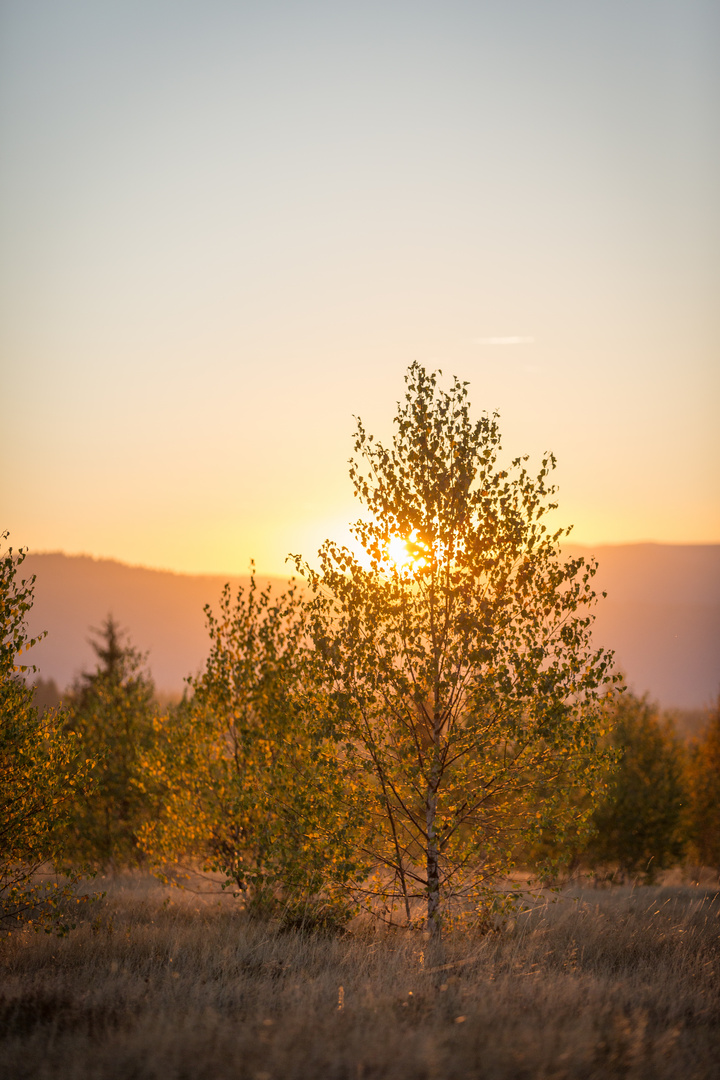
(46, 694)
(112, 709)
(640, 824)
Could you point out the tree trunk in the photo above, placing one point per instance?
(433, 868)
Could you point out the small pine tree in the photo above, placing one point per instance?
(112, 709)
(639, 825)
(46, 695)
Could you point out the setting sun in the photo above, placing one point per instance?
(406, 556)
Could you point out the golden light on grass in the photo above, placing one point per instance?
(606, 982)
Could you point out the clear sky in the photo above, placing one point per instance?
(227, 227)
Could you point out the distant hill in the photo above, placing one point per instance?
(162, 612)
(661, 615)
(662, 618)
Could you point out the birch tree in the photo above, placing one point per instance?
(457, 651)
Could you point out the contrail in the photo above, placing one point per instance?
(504, 340)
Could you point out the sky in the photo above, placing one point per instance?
(228, 228)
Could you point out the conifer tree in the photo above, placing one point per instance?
(112, 709)
(640, 824)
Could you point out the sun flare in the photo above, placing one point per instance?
(406, 555)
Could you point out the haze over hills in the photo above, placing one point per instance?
(661, 615)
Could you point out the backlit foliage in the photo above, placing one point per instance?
(42, 770)
(252, 787)
(112, 709)
(468, 695)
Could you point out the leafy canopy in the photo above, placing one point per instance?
(252, 787)
(42, 772)
(467, 694)
(113, 709)
(639, 825)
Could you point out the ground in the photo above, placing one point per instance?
(160, 984)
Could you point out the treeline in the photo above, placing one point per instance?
(661, 803)
(225, 779)
(399, 735)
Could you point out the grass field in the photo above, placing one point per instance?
(602, 983)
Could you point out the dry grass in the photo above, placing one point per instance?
(616, 983)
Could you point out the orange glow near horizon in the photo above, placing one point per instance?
(227, 547)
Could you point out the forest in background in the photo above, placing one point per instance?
(662, 806)
(660, 812)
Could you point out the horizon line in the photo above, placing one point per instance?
(278, 574)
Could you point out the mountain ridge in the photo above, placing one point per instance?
(661, 615)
